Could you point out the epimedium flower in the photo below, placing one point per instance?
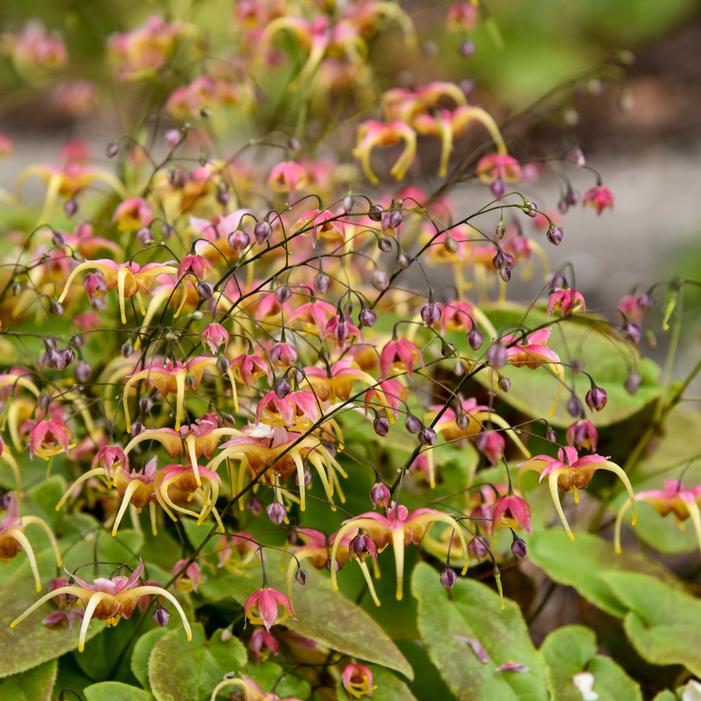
(398, 528)
(108, 600)
(358, 680)
(268, 607)
(599, 197)
(570, 472)
(496, 169)
(296, 411)
(674, 498)
(511, 511)
(129, 278)
(13, 538)
(133, 214)
(399, 355)
(287, 177)
(262, 644)
(566, 301)
(47, 437)
(372, 134)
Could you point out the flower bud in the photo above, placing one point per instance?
(633, 382)
(282, 388)
(161, 616)
(379, 280)
(412, 423)
(144, 236)
(632, 332)
(380, 494)
(574, 407)
(555, 235)
(403, 261)
(145, 404)
(223, 363)
(238, 240)
(497, 355)
(498, 188)
(112, 149)
(551, 435)
(395, 219)
(172, 137)
(347, 204)
(466, 49)
(367, 317)
(70, 207)
(427, 436)
(204, 289)
(276, 513)
(322, 283)
(136, 428)
(254, 506)
(475, 339)
(262, 231)
(504, 384)
(431, 313)
(56, 308)
(491, 444)
(478, 547)
(518, 548)
(448, 578)
(283, 294)
(83, 371)
(375, 213)
(381, 425)
(300, 576)
(645, 302)
(596, 398)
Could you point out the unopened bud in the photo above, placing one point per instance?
(276, 513)
(448, 578)
(380, 494)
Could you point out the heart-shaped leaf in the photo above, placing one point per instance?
(663, 624)
(142, 652)
(115, 691)
(581, 563)
(469, 623)
(571, 651)
(34, 685)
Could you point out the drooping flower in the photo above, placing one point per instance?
(599, 197)
(133, 214)
(287, 177)
(108, 600)
(511, 511)
(674, 498)
(372, 134)
(263, 606)
(397, 528)
(249, 690)
(566, 301)
(13, 538)
(358, 680)
(570, 472)
(399, 355)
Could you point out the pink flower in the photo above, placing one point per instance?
(511, 511)
(401, 354)
(6, 145)
(263, 607)
(598, 197)
(261, 644)
(357, 680)
(566, 301)
(215, 337)
(296, 410)
(498, 166)
(531, 351)
(193, 264)
(583, 435)
(373, 133)
(491, 444)
(190, 579)
(133, 214)
(48, 437)
(287, 177)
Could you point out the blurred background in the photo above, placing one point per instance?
(642, 133)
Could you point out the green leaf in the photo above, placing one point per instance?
(663, 624)
(116, 691)
(473, 611)
(141, 653)
(34, 685)
(605, 357)
(31, 643)
(666, 695)
(582, 562)
(572, 650)
(200, 664)
(389, 688)
(269, 675)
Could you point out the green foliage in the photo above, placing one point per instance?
(34, 685)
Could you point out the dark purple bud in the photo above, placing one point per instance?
(596, 398)
(322, 283)
(379, 280)
(126, 349)
(498, 188)
(204, 289)
(380, 494)
(112, 149)
(427, 436)
(276, 513)
(307, 478)
(381, 425)
(413, 423)
(505, 272)
(395, 219)
(466, 48)
(498, 259)
(161, 617)
(551, 435)
(144, 236)
(633, 382)
(575, 407)
(530, 208)
(475, 339)
(282, 388)
(167, 232)
(70, 207)
(375, 213)
(518, 547)
(645, 302)
(555, 281)
(463, 420)
(136, 428)
(572, 197)
(478, 547)
(367, 317)
(58, 239)
(360, 544)
(385, 245)
(576, 365)
(448, 578)
(56, 308)
(262, 231)
(632, 332)
(431, 313)
(555, 235)
(223, 197)
(83, 371)
(145, 404)
(504, 384)
(300, 576)
(497, 355)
